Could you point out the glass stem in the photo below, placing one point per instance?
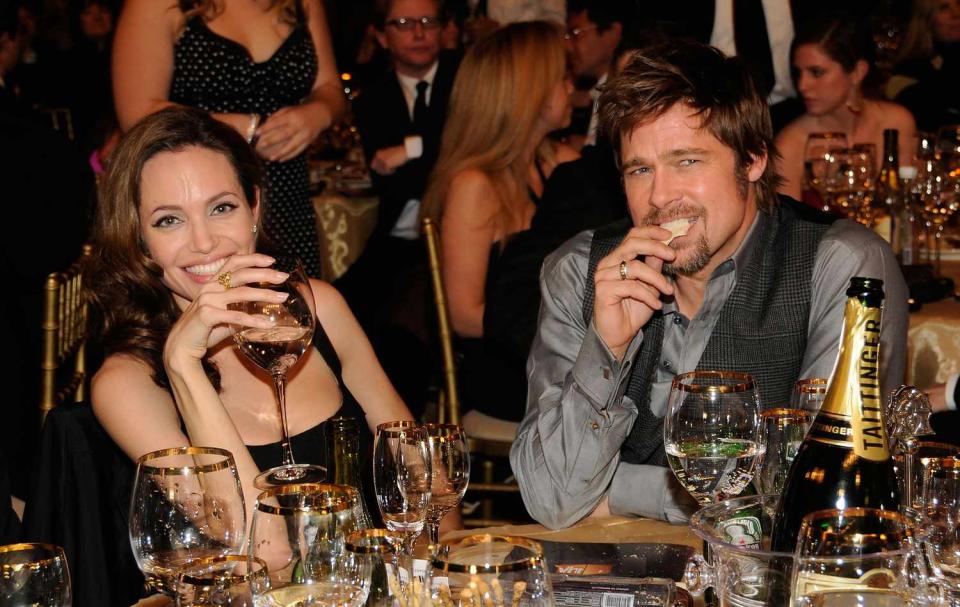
(433, 532)
(280, 386)
(936, 238)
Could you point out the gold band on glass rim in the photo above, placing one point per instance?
(811, 385)
(744, 382)
(357, 542)
(948, 463)
(783, 414)
(929, 444)
(324, 498)
(443, 433)
(57, 554)
(400, 423)
(226, 462)
(219, 579)
(524, 564)
(890, 515)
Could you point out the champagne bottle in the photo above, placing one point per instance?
(844, 461)
(343, 449)
(887, 199)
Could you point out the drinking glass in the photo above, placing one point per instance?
(851, 182)
(450, 473)
(490, 570)
(808, 395)
(402, 479)
(857, 556)
(915, 465)
(816, 152)
(936, 198)
(941, 523)
(187, 504)
(374, 551)
(231, 580)
(712, 433)
(298, 531)
(34, 575)
(784, 430)
(277, 350)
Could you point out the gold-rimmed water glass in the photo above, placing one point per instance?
(808, 394)
(915, 466)
(450, 473)
(34, 575)
(298, 531)
(712, 433)
(941, 526)
(187, 504)
(857, 557)
(277, 350)
(491, 570)
(231, 580)
(375, 551)
(784, 430)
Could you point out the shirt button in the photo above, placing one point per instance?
(595, 426)
(677, 320)
(666, 364)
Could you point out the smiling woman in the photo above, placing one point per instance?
(179, 211)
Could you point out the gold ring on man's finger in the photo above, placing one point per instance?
(623, 271)
(224, 280)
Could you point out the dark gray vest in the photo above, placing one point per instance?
(761, 330)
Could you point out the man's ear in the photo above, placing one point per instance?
(616, 30)
(380, 35)
(758, 164)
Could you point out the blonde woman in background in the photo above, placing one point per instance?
(511, 91)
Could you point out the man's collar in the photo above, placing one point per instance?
(411, 82)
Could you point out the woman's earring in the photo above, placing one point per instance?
(254, 229)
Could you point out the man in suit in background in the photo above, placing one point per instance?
(400, 119)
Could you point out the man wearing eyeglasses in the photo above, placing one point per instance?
(594, 30)
(400, 119)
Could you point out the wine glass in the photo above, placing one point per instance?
(450, 473)
(373, 550)
(277, 350)
(187, 504)
(916, 466)
(941, 522)
(491, 570)
(34, 574)
(231, 580)
(855, 557)
(712, 433)
(851, 180)
(936, 198)
(784, 430)
(808, 395)
(401, 479)
(298, 530)
(816, 152)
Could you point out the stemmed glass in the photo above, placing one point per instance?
(277, 350)
(941, 523)
(298, 530)
(784, 431)
(34, 574)
(713, 433)
(936, 197)
(808, 394)
(450, 473)
(850, 180)
(402, 480)
(222, 581)
(818, 149)
(187, 504)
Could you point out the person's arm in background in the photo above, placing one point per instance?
(143, 62)
(287, 132)
(946, 397)
(849, 250)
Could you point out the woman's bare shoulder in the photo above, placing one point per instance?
(472, 196)
(894, 115)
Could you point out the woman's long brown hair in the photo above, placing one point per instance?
(131, 310)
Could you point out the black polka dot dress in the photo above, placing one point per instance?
(217, 74)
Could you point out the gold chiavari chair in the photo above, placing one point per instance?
(485, 450)
(64, 337)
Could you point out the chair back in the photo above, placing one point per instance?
(64, 337)
(449, 409)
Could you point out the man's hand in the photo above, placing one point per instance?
(627, 290)
(387, 160)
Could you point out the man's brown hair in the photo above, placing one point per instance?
(717, 88)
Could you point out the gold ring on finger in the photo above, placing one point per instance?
(623, 271)
(224, 280)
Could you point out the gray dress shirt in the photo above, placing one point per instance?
(566, 456)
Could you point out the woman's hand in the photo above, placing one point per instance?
(288, 131)
(206, 321)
